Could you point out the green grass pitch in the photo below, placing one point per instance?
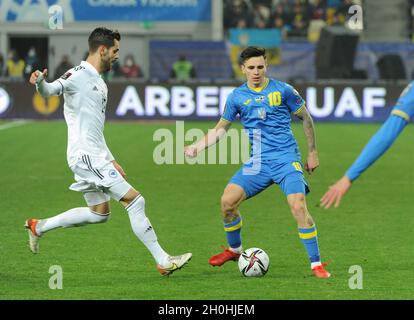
(373, 228)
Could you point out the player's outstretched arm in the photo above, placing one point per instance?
(380, 142)
(45, 89)
(209, 139)
(336, 192)
(312, 161)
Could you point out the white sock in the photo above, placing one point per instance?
(71, 218)
(236, 250)
(315, 264)
(144, 230)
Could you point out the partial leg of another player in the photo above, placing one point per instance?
(307, 232)
(230, 201)
(134, 203)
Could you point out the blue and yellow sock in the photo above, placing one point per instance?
(233, 230)
(309, 237)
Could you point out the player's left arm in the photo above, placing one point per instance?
(312, 161)
(380, 142)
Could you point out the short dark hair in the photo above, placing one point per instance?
(102, 36)
(251, 52)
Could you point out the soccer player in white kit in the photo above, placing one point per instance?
(98, 176)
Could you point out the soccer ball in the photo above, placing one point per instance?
(253, 262)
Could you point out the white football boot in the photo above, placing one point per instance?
(34, 238)
(174, 263)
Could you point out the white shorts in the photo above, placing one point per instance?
(98, 180)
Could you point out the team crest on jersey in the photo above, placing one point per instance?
(113, 173)
(261, 113)
(260, 99)
(66, 76)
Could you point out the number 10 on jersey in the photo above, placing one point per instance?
(274, 98)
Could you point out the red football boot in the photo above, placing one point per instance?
(223, 257)
(320, 271)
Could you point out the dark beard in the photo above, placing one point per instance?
(106, 66)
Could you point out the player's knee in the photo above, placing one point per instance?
(131, 197)
(228, 206)
(99, 217)
(101, 208)
(298, 208)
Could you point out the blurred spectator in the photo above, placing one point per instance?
(2, 66)
(182, 69)
(241, 24)
(317, 9)
(130, 69)
(299, 22)
(32, 61)
(261, 15)
(15, 65)
(278, 23)
(280, 12)
(293, 17)
(260, 24)
(234, 11)
(63, 66)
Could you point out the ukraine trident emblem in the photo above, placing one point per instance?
(262, 113)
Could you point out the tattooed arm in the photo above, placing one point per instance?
(312, 160)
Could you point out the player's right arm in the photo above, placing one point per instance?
(44, 88)
(211, 138)
(219, 131)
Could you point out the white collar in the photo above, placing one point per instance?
(89, 67)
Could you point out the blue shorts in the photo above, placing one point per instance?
(255, 177)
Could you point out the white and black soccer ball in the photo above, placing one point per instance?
(253, 262)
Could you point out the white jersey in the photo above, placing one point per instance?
(85, 94)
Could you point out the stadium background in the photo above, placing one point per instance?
(350, 72)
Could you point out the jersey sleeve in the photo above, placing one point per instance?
(49, 89)
(230, 110)
(380, 142)
(293, 100)
(68, 82)
(404, 107)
